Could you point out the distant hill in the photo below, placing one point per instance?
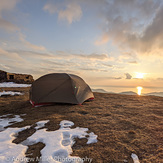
(128, 93)
(154, 94)
(100, 91)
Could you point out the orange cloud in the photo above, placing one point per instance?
(103, 40)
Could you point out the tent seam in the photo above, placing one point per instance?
(73, 88)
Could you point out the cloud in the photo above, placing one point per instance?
(93, 69)
(46, 62)
(37, 63)
(128, 76)
(30, 45)
(69, 11)
(13, 61)
(4, 67)
(109, 78)
(10, 55)
(141, 30)
(6, 6)
(33, 54)
(116, 78)
(151, 39)
(93, 56)
(38, 71)
(133, 62)
(8, 26)
(107, 65)
(65, 55)
(102, 40)
(128, 57)
(51, 8)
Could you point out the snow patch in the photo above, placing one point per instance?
(4, 116)
(41, 124)
(66, 124)
(4, 121)
(12, 84)
(92, 138)
(10, 93)
(9, 151)
(135, 158)
(58, 143)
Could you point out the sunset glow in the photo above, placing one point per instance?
(99, 41)
(139, 75)
(139, 90)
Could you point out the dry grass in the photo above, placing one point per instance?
(124, 125)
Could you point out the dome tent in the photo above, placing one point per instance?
(59, 88)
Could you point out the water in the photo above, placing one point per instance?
(119, 89)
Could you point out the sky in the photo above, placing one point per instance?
(106, 42)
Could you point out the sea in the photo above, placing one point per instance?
(156, 91)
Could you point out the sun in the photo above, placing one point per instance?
(139, 75)
(139, 90)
